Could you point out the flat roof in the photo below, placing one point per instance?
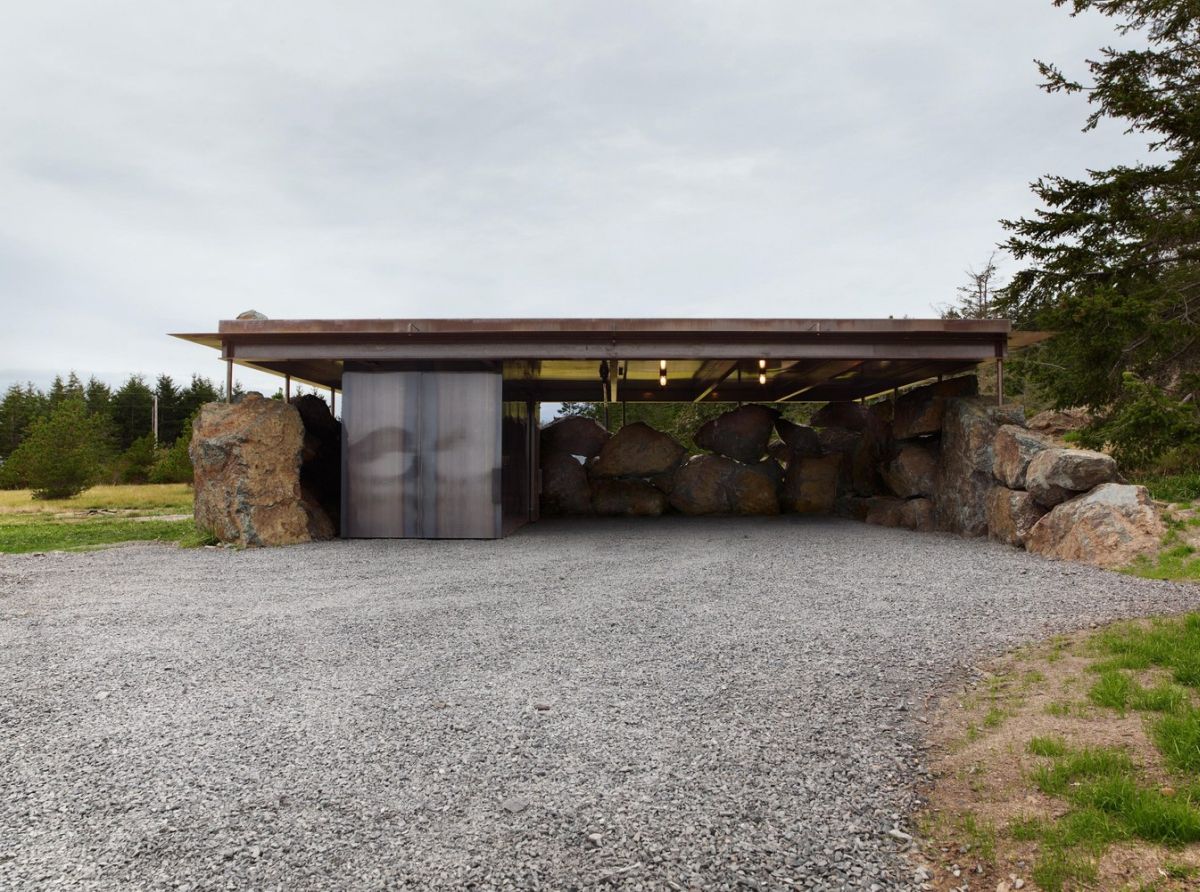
(560, 359)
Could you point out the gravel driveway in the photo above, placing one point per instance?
(676, 703)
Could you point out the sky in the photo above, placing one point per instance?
(166, 165)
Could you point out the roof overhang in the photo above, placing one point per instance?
(560, 359)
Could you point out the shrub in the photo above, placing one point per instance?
(61, 456)
(135, 463)
(173, 464)
(1146, 424)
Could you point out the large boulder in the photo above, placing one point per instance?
(574, 435)
(1055, 475)
(770, 468)
(918, 514)
(247, 459)
(627, 498)
(912, 514)
(810, 485)
(781, 452)
(800, 439)
(1012, 513)
(740, 433)
(921, 411)
(1014, 448)
(714, 484)
(637, 450)
(565, 488)
(965, 481)
(1109, 527)
(321, 459)
(884, 511)
(843, 413)
(874, 446)
(838, 439)
(911, 472)
(1055, 423)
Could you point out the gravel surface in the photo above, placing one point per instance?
(678, 703)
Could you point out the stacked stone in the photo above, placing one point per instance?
(1068, 503)
(958, 464)
(640, 471)
(905, 449)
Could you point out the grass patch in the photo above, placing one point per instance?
(151, 498)
(1102, 795)
(1026, 829)
(24, 534)
(1176, 488)
(103, 515)
(980, 835)
(1052, 747)
(1177, 737)
(1180, 563)
(1056, 866)
(1074, 765)
(1108, 804)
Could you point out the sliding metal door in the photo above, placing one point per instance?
(421, 455)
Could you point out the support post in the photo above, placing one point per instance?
(229, 380)
(287, 388)
(154, 419)
(333, 402)
(999, 382)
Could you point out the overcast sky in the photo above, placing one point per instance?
(166, 165)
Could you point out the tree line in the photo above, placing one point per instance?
(75, 434)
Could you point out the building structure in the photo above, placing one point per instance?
(439, 416)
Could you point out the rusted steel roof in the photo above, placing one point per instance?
(561, 359)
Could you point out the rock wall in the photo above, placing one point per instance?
(938, 458)
(250, 460)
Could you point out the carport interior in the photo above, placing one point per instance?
(440, 416)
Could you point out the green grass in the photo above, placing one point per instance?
(1053, 747)
(1120, 691)
(1178, 563)
(1109, 801)
(1177, 736)
(103, 515)
(1172, 644)
(981, 836)
(24, 534)
(150, 498)
(1058, 708)
(1177, 488)
(1074, 765)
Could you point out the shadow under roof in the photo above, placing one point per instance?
(553, 360)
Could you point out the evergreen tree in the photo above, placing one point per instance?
(97, 396)
(201, 390)
(977, 298)
(135, 463)
(170, 409)
(60, 390)
(19, 409)
(60, 457)
(132, 408)
(1114, 258)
